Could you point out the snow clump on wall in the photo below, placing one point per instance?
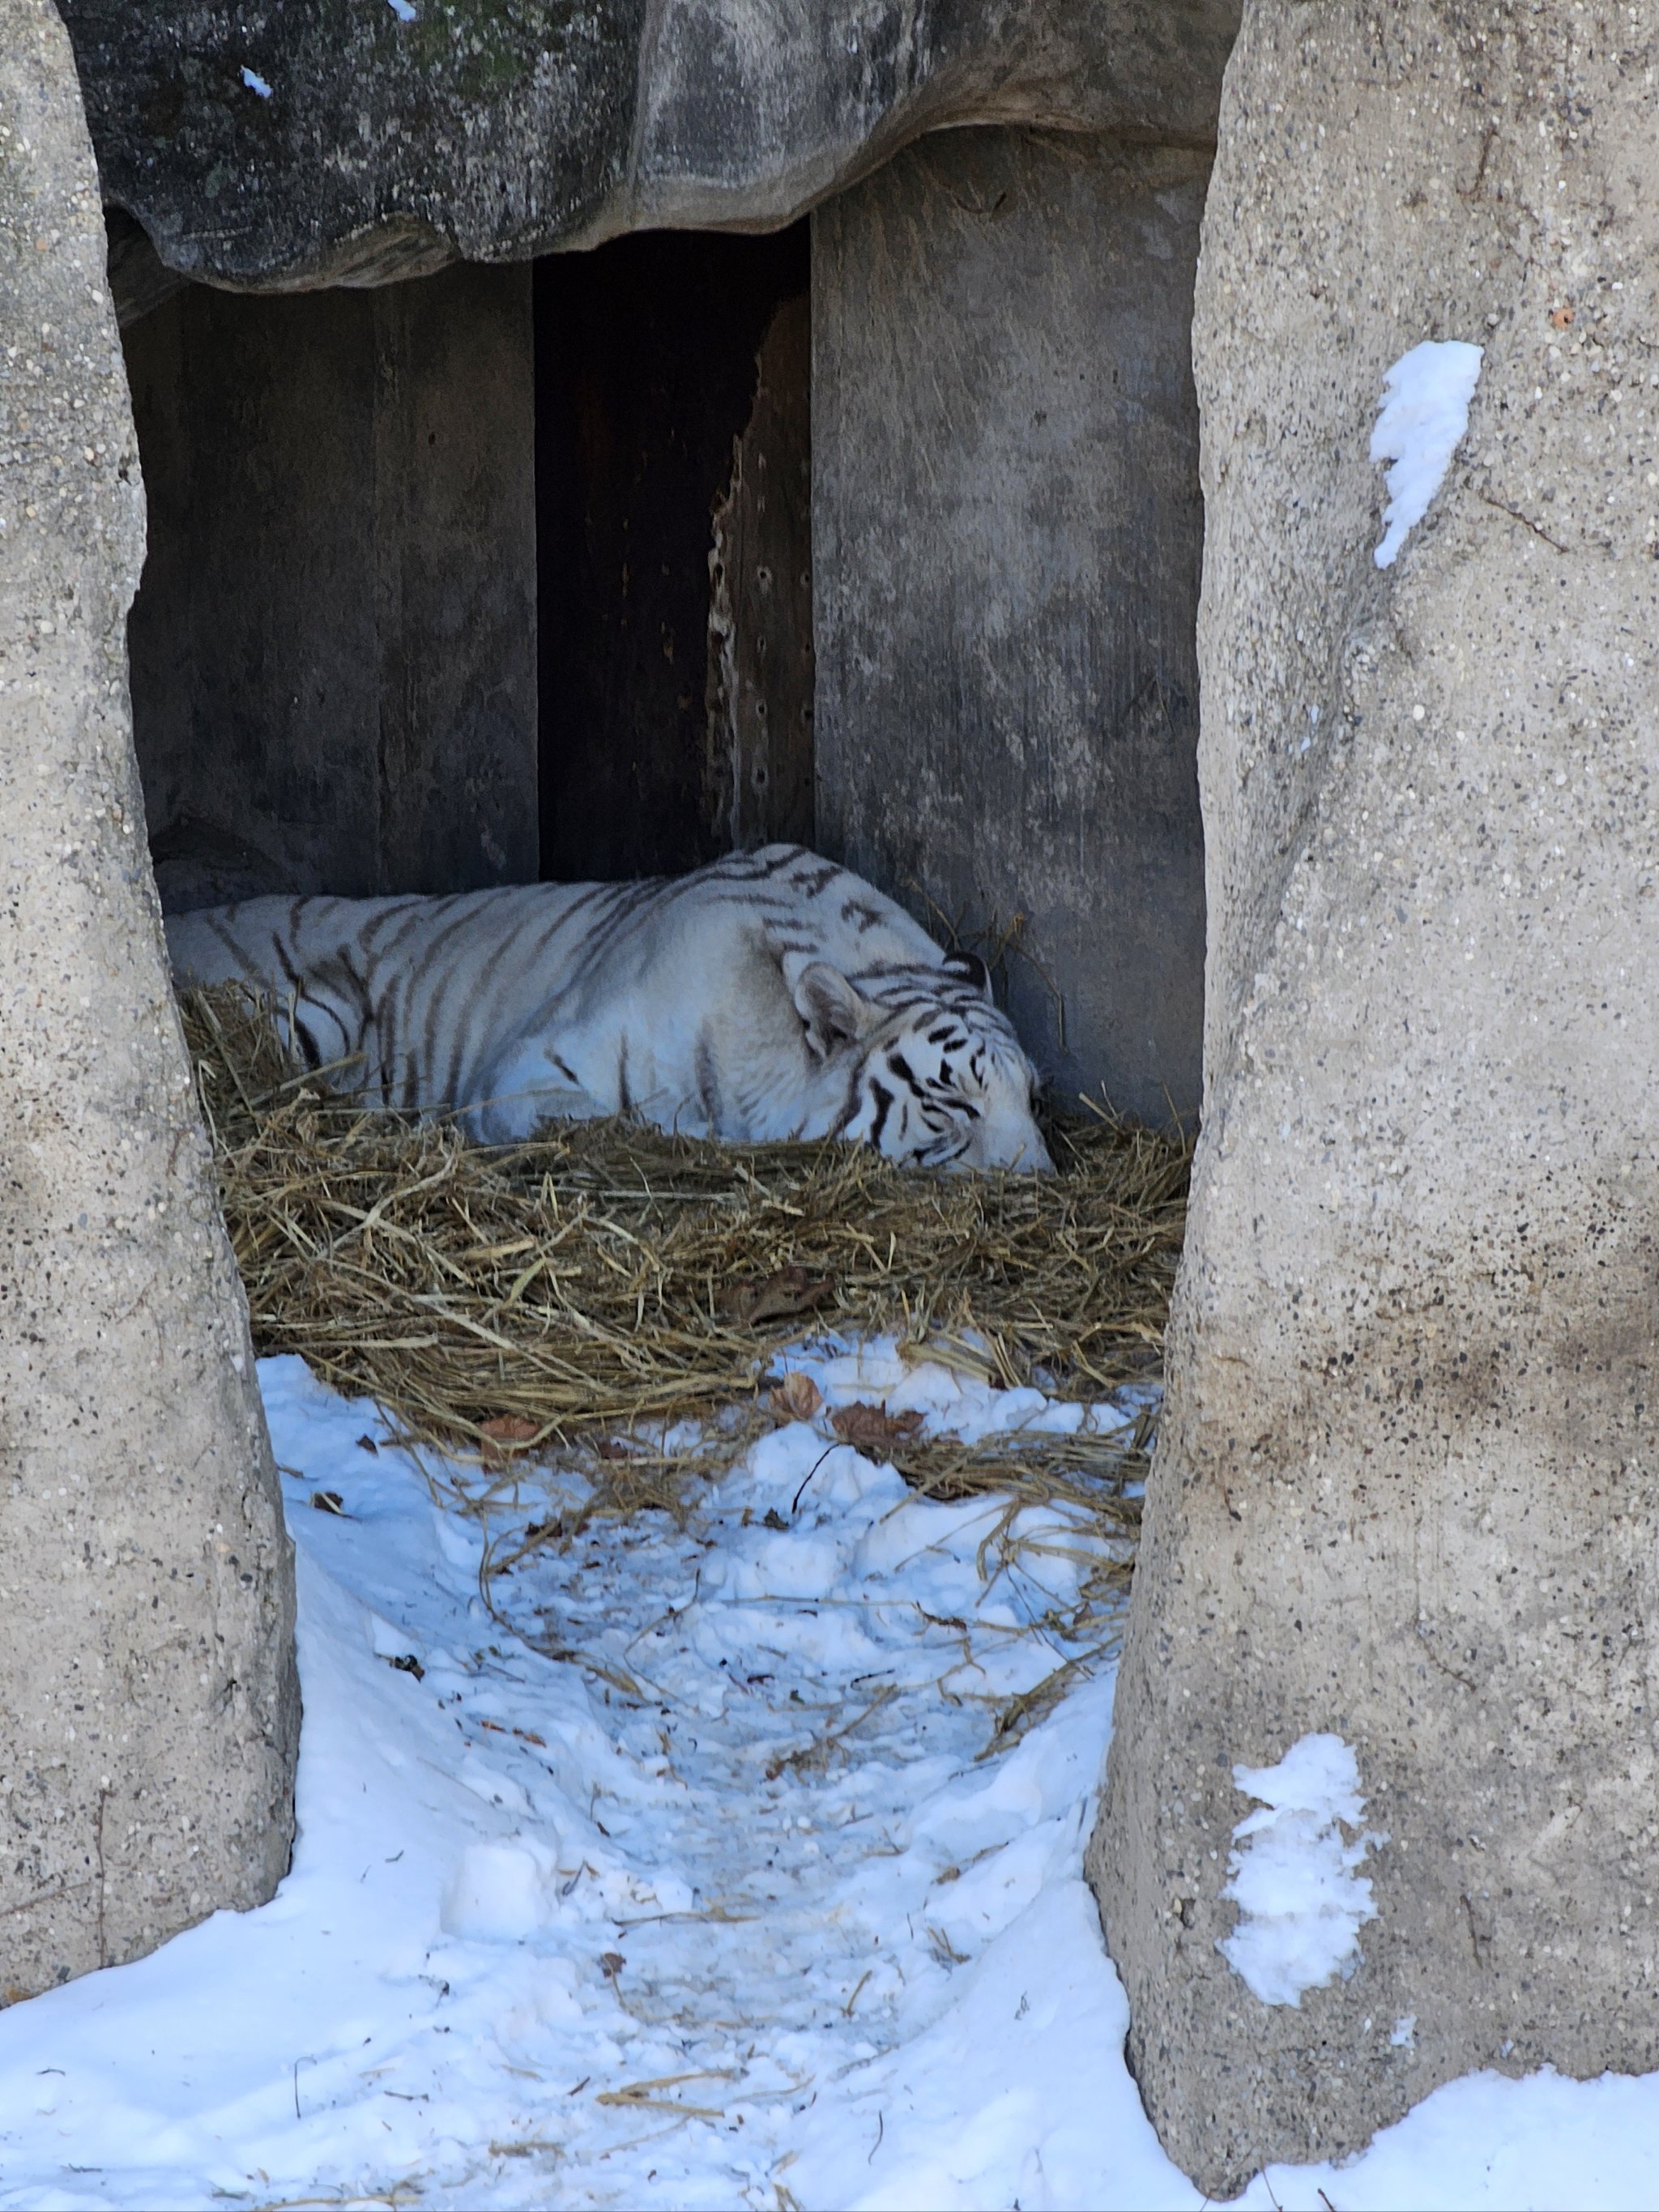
(1301, 1904)
(1425, 414)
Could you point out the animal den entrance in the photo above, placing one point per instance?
(516, 569)
(674, 529)
(335, 684)
(881, 533)
(511, 570)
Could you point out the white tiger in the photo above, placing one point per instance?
(771, 995)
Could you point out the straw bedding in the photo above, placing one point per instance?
(585, 1290)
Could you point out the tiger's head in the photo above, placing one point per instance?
(934, 1075)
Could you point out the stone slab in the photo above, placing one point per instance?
(1008, 537)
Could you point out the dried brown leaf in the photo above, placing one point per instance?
(510, 1429)
(784, 1294)
(798, 1396)
(872, 1428)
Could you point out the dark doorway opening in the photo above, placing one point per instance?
(673, 527)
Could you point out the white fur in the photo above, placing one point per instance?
(769, 995)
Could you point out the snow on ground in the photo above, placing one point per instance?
(686, 1886)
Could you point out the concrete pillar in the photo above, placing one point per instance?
(149, 1710)
(1405, 1494)
(1007, 541)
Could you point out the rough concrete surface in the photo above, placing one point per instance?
(334, 644)
(148, 1704)
(1007, 535)
(1406, 1485)
(495, 129)
(759, 691)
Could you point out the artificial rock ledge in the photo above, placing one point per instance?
(495, 129)
(149, 1710)
(1405, 1492)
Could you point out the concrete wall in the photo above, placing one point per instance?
(333, 648)
(149, 1708)
(1006, 546)
(760, 691)
(1405, 1490)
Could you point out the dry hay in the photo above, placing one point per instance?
(582, 1291)
(606, 1276)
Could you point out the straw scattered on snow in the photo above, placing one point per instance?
(606, 1277)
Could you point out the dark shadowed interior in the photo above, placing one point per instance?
(646, 355)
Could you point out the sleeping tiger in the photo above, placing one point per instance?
(771, 995)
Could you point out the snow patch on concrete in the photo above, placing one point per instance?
(1425, 414)
(1301, 1904)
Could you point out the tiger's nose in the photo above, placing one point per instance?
(1029, 1156)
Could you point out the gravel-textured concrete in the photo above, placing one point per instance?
(149, 1710)
(1404, 1491)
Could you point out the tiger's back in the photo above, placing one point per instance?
(767, 995)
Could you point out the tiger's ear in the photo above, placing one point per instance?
(968, 968)
(834, 1013)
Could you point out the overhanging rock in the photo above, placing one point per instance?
(1403, 1502)
(326, 142)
